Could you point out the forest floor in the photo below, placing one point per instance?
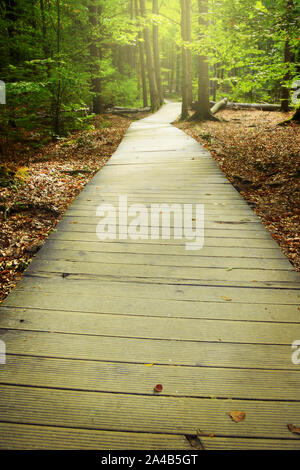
(262, 161)
(38, 185)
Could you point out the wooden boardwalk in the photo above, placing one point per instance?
(94, 326)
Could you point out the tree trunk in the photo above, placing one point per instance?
(142, 61)
(203, 111)
(184, 109)
(288, 58)
(45, 45)
(154, 96)
(156, 54)
(172, 64)
(178, 70)
(189, 54)
(57, 110)
(285, 92)
(296, 116)
(98, 107)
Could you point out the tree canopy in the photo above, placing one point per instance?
(64, 61)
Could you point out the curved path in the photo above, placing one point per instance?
(95, 325)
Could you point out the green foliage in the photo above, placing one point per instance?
(58, 58)
(48, 65)
(121, 91)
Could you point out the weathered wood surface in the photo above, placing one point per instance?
(95, 325)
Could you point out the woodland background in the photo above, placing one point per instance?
(78, 72)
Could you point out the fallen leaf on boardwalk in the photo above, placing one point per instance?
(237, 416)
(228, 299)
(202, 433)
(158, 388)
(293, 429)
(149, 365)
(195, 442)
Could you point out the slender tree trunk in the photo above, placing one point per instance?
(288, 58)
(215, 83)
(11, 15)
(203, 106)
(178, 70)
(98, 107)
(172, 65)
(131, 48)
(189, 54)
(46, 46)
(184, 109)
(156, 53)
(44, 29)
(57, 111)
(154, 96)
(285, 92)
(142, 61)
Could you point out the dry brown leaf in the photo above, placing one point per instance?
(228, 299)
(237, 416)
(293, 429)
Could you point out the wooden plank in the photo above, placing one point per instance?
(89, 224)
(88, 217)
(46, 282)
(95, 195)
(141, 351)
(219, 443)
(161, 191)
(169, 273)
(138, 413)
(223, 236)
(120, 305)
(31, 437)
(177, 329)
(140, 379)
(212, 210)
(227, 262)
(165, 281)
(162, 250)
(258, 240)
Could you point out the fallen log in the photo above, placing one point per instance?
(259, 106)
(120, 110)
(218, 106)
